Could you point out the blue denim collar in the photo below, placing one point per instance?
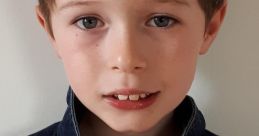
(69, 125)
(187, 115)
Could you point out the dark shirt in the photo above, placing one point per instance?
(187, 117)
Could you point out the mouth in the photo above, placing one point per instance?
(131, 99)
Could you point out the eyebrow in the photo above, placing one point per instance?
(77, 3)
(180, 2)
(90, 2)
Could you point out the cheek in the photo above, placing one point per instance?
(82, 62)
(179, 63)
(177, 69)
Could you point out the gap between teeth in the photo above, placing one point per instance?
(134, 97)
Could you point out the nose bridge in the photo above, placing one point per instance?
(125, 49)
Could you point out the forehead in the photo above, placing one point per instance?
(68, 3)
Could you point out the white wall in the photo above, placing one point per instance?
(33, 84)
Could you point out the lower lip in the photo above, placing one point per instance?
(132, 105)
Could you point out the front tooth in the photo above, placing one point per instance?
(122, 97)
(143, 96)
(134, 97)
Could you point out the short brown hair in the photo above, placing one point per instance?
(208, 6)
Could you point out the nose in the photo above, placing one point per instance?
(127, 62)
(126, 53)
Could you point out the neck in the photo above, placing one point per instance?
(92, 125)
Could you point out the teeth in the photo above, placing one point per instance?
(134, 97)
(143, 96)
(122, 97)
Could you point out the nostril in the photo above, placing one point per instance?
(138, 68)
(115, 68)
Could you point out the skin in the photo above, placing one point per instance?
(126, 50)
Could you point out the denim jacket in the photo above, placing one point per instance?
(189, 119)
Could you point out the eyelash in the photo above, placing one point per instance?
(80, 22)
(172, 21)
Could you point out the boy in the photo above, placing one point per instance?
(130, 64)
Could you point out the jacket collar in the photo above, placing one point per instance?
(189, 119)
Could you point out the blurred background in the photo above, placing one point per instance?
(33, 84)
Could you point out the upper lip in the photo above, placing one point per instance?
(130, 91)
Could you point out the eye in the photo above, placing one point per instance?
(162, 21)
(88, 23)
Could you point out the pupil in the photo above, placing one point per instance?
(161, 21)
(89, 23)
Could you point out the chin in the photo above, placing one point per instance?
(131, 127)
(131, 130)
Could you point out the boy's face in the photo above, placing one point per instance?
(151, 45)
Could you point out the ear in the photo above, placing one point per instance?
(213, 28)
(45, 26)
